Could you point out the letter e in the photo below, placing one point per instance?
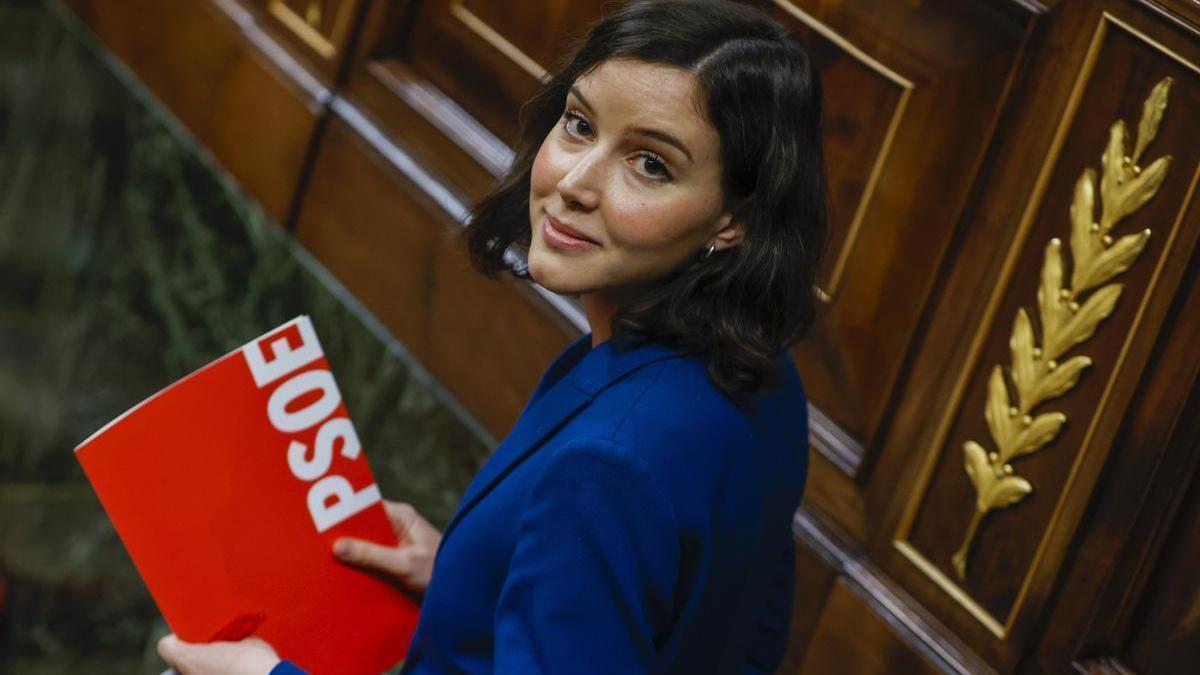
(296, 347)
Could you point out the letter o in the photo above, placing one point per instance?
(313, 413)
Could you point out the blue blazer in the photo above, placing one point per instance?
(634, 520)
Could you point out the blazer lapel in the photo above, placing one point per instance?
(568, 386)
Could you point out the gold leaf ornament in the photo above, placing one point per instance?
(1152, 114)
(1067, 317)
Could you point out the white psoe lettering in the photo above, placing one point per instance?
(311, 414)
(331, 499)
(346, 502)
(291, 347)
(312, 468)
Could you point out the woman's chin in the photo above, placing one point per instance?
(553, 279)
(555, 286)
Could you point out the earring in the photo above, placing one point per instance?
(711, 247)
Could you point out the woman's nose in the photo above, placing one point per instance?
(580, 186)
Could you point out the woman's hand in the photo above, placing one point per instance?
(251, 656)
(410, 561)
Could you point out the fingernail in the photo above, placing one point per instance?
(341, 548)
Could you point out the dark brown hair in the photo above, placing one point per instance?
(740, 307)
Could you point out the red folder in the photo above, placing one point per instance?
(228, 489)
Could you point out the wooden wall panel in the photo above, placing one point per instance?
(243, 97)
(1011, 546)
(1128, 592)
(321, 30)
(851, 638)
(913, 92)
(451, 41)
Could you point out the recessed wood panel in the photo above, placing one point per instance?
(540, 30)
(1016, 550)
(864, 103)
(490, 57)
(912, 93)
(322, 26)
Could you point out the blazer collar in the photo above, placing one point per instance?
(570, 383)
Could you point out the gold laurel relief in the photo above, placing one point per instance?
(1068, 316)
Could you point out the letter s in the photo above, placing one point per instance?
(305, 468)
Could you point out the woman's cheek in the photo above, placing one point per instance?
(643, 224)
(546, 170)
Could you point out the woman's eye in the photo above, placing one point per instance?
(582, 128)
(655, 166)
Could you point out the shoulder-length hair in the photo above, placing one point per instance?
(740, 307)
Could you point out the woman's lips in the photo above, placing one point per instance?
(559, 238)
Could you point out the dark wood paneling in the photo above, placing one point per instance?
(1131, 589)
(1166, 635)
(851, 638)
(453, 42)
(321, 31)
(1008, 552)
(913, 91)
(239, 100)
(913, 628)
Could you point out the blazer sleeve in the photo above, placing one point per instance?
(286, 667)
(593, 575)
(769, 638)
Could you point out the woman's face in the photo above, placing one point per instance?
(634, 168)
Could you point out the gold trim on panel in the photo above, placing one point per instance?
(312, 37)
(827, 293)
(1035, 374)
(854, 50)
(341, 22)
(956, 592)
(498, 41)
(950, 587)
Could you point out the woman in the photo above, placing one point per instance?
(637, 518)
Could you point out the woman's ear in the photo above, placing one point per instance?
(731, 231)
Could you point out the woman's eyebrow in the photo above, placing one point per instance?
(582, 99)
(665, 138)
(657, 134)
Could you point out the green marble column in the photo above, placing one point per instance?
(128, 259)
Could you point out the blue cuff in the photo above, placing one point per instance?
(286, 668)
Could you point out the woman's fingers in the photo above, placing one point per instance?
(402, 515)
(410, 561)
(405, 521)
(410, 525)
(251, 656)
(172, 650)
(393, 560)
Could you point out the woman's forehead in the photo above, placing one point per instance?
(636, 93)
(647, 86)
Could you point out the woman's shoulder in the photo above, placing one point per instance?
(673, 403)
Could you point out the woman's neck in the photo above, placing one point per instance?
(599, 307)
